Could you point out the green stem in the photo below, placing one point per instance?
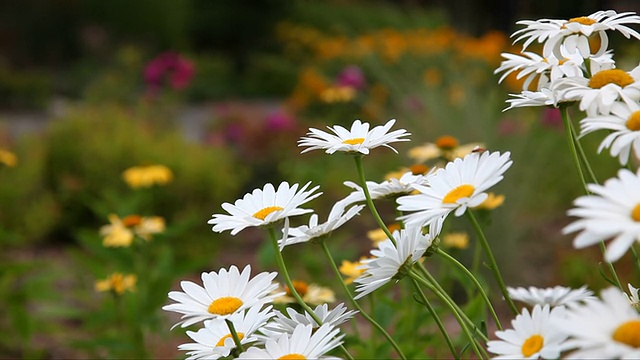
(294, 292)
(451, 306)
(572, 144)
(435, 316)
(367, 195)
(612, 270)
(492, 261)
(576, 142)
(234, 335)
(372, 321)
(475, 281)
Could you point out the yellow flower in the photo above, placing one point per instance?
(121, 232)
(492, 202)
(446, 147)
(147, 176)
(312, 294)
(458, 240)
(350, 269)
(118, 283)
(338, 94)
(8, 158)
(378, 235)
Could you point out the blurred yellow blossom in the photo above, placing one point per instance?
(118, 283)
(121, 232)
(446, 147)
(335, 94)
(457, 240)
(312, 294)
(378, 235)
(350, 269)
(147, 176)
(8, 158)
(492, 202)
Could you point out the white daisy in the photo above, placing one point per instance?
(357, 140)
(555, 296)
(544, 97)
(264, 206)
(304, 233)
(287, 323)
(599, 92)
(623, 125)
(224, 293)
(634, 296)
(603, 329)
(612, 212)
(215, 340)
(303, 343)
(574, 33)
(390, 261)
(533, 335)
(461, 184)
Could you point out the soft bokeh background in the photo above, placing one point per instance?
(219, 92)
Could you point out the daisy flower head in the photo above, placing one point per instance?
(391, 261)
(223, 294)
(462, 183)
(598, 93)
(608, 328)
(623, 125)
(282, 323)
(311, 293)
(303, 343)
(574, 33)
(634, 296)
(337, 217)
(611, 212)
(264, 206)
(555, 296)
(118, 283)
(214, 340)
(120, 232)
(534, 335)
(358, 140)
(543, 97)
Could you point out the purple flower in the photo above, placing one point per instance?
(351, 76)
(169, 67)
(279, 121)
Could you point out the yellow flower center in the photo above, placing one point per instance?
(583, 20)
(221, 341)
(532, 345)
(635, 213)
(459, 192)
(225, 305)
(131, 220)
(262, 214)
(612, 76)
(633, 123)
(301, 287)
(292, 357)
(354, 141)
(628, 333)
(446, 142)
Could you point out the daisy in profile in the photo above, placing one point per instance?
(385, 189)
(555, 296)
(533, 336)
(634, 296)
(214, 340)
(224, 293)
(623, 125)
(305, 233)
(358, 140)
(303, 343)
(612, 212)
(598, 93)
(391, 261)
(461, 184)
(574, 33)
(282, 323)
(264, 206)
(543, 97)
(603, 329)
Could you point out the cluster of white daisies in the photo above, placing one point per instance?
(561, 319)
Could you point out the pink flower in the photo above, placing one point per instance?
(171, 67)
(279, 121)
(551, 118)
(351, 76)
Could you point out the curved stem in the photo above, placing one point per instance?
(435, 316)
(234, 335)
(294, 292)
(367, 196)
(451, 306)
(375, 324)
(492, 261)
(572, 144)
(475, 281)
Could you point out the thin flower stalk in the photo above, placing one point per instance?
(234, 335)
(572, 146)
(371, 320)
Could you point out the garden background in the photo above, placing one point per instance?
(219, 92)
